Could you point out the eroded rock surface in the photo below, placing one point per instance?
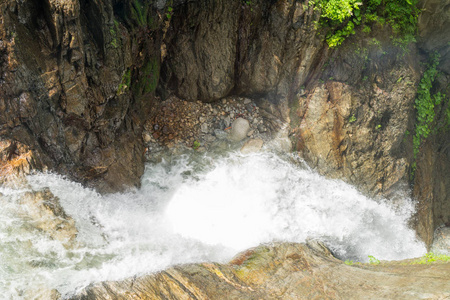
(66, 69)
(441, 241)
(283, 271)
(41, 210)
(46, 214)
(253, 145)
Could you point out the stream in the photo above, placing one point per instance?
(194, 208)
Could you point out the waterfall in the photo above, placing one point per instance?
(194, 208)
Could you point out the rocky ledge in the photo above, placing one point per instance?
(284, 271)
(176, 125)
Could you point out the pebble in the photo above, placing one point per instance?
(204, 128)
(178, 123)
(227, 121)
(147, 138)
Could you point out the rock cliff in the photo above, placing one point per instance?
(79, 80)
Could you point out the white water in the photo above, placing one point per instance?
(194, 209)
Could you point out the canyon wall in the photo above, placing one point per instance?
(79, 79)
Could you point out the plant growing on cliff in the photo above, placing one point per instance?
(373, 260)
(348, 262)
(430, 258)
(425, 104)
(196, 145)
(139, 12)
(148, 77)
(113, 31)
(352, 119)
(169, 12)
(125, 83)
(342, 17)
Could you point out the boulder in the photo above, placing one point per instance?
(253, 145)
(239, 129)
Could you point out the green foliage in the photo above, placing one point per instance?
(375, 42)
(338, 10)
(196, 145)
(342, 17)
(425, 107)
(113, 31)
(169, 12)
(148, 78)
(125, 83)
(249, 4)
(373, 260)
(352, 119)
(366, 29)
(447, 114)
(426, 259)
(431, 257)
(402, 17)
(139, 12)
(336, 38)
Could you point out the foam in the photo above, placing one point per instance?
(192, 209)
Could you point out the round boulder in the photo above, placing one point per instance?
(239, 129)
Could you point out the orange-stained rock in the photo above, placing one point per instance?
(283, 271)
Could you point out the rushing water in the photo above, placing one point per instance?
(191, 209)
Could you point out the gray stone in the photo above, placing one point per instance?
(220, 134)
(227, 121)
(253, 145)
(210, 138)
(239, 130)
(204, 128)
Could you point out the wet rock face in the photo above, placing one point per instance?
(46, 214)
(282, 271)
(216, 47)
(62, 63)
(358, 134)
(41, 210)
(441, 241)
(16, 161)
(435, 16)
